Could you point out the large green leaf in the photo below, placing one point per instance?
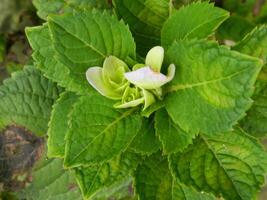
(197, 20)
(153, 181)
(51, 182)
(99, 177)
(26, 99)
(80, 48)
(172, 137)
(98, 131)
(212, 87)
(45, 60)
(146, 142)
(145, 18)
(58, 124)
(85, 39)
(255, 43)
(231, 164)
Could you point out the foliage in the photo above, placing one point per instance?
(197, 139)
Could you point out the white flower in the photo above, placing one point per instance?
(149, 76)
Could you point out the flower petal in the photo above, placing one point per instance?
(149, 98)
(133, 103)
(95, 78)
(154, 58)
(146, 78)
(113, 70)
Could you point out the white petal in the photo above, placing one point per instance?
(146, 78)
(95, 78)
(154, 58)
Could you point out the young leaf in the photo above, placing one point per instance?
(153, 181)
(98, 131)
(96, 178)
(255, 43)
(212, 87)
(197, 20)
(26, 99)
(146, 142)
(231, 164)
(51, 182)
(58, 124)
(78, 46)
(45, 60)
(145, 19)
(172, 137)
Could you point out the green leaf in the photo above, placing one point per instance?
(153, 181)
(146, 142)
(255, 123)
(243, 8)
(231, 164)
(145, 19)
(212, 87)
(72, 76)
(93, 179)
(234, 28)
(172, 137)
(51, 182)
(45, 60)
(197, 20)
(255, 43)
(121, 190)
(98, 131)
(58, 124)
(46, 7)
(26, 99)
(84, 39)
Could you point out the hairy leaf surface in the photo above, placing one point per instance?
(26, 99)
(232, 164)
(186, 24)
(58, 124)
(98, 131)
(212, 87)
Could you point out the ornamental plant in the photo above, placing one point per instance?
(148, 94)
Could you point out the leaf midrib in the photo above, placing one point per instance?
(85, 42)
(174, 88)
(220, 164)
